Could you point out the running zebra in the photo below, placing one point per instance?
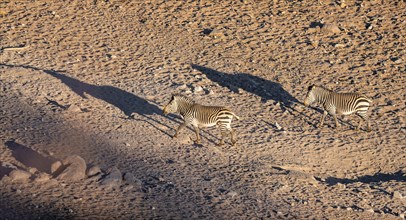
(201, 116)
(339, 103)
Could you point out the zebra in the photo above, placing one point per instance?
(201, 116)
(339, 103)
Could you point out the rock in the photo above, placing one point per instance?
(19, 175)
(130, 178)
(32, 170)
(215, 33)
(402, 215)
(75, 169)
(94, 170)
(56, 166)
(113, 178)
(330, 28)
(75, 108)
(232, 194)
(278, 127)
(42, 177)
(197, 89)
(397, 195)
(370, 210)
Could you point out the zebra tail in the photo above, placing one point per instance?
(238, 118)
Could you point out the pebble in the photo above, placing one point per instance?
(42, 177)
(331, 28)
(113, 178)
(232, 194)
(19, 175)
(197, 89)
(278, 127)
(94, 170)
(397, 195)
(130, 178)
(75, 170)
(370, 210)
(55, 166)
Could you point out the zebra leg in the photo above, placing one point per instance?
(336, 121)
(179, 128)
(359, 123)
(197, 135)
(322, 118)
(223, 135)
(365, 118)
(233, 141)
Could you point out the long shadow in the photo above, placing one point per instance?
(4, 171)
(263, 88)
(30, 157)
(378, 177)
(127, 102)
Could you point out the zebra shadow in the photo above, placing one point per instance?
(398, 176)
(127, 102)
(263, 88)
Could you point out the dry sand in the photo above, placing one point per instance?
(89, 78)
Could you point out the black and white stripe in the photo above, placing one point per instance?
(339, 103)
(201, 116)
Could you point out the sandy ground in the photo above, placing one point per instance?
(90, 78)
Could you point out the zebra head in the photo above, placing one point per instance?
(172, 105)
(177, 104)
(310, 97)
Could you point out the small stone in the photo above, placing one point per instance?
(197, 89)
(32, 170)
(75, 108)
(75, 169)
(278, 127)
(113, 178)
(232, 194)
(397, 195)
(130, 178)
(94, 170)
(216, 34)
(370, 210)
(182, 87)
(19, 175)
(402, 215)
(339, 45)
(349, 209)
(331, 28)
(42, 177)
(56, 166)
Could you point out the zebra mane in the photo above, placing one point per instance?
(321, 87)
(183, 98)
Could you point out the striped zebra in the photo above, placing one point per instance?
(339, 103)
(201, 116)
